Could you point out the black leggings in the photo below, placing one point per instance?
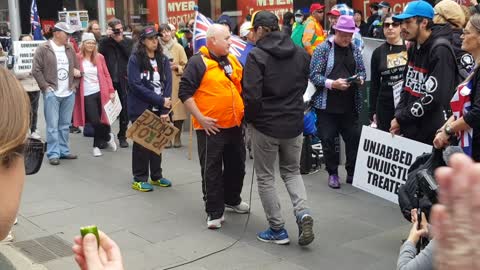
(93, 114)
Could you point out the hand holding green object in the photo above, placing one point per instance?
(90, 229)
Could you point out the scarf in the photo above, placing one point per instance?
(167, 48)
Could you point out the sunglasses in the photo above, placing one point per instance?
(394, 25)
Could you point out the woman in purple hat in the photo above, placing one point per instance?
(337, 71)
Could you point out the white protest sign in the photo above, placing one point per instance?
(78, 18)
(113, 109)
(23, 52)
(383, 162)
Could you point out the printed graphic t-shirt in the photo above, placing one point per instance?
(62, 71)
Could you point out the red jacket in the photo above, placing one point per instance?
(106, 88)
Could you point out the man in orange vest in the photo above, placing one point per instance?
(313, 34)
(211, 90)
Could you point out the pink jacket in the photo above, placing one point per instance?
(106, 88)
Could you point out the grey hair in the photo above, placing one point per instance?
(214, 29)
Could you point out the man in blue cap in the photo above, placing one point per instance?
(430, 77)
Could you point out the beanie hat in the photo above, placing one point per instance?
(451, 12)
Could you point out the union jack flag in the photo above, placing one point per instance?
(238, 48)
(35, 22)
(461, 105)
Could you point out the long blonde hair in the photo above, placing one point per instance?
(93, 57)
(14, 117)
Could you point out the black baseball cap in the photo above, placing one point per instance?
(264, 18)
(149, 31)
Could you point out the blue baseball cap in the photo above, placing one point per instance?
(416, 9)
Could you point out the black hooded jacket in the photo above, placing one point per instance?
(429, 84)
(465, 61)
(274, 81)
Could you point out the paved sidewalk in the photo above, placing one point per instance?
(354, 230)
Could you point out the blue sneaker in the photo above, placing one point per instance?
(142, 186)
(163, 182)
(277, 237)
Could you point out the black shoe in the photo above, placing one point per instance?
(69, 156)
(54, 161)
(123, 143)
(75, 130)
(305, 230)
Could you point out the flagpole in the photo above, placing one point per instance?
(13, 14)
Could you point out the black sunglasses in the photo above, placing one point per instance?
(394, 25)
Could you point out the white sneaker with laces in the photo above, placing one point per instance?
(97, 152)
(241, 208)
(35, 136)
(111, 143)
(8, 239)
(213, 224)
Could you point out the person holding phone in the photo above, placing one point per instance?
(337, 71)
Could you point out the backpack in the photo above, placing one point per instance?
(460, 73)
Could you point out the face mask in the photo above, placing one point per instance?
(299, 19)
(380, 12)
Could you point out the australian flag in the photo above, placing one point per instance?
(461, 104)
(35, 22)
(239, 48)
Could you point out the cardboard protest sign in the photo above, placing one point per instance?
(383, 162)
(151, 132)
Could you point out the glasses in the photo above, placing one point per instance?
(393, 25)
(91, 43)
(318, 11)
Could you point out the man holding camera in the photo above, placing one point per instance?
(116, 48)
(337, 71)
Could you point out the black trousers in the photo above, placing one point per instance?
(122, 89)
(143, 160)
(34, 97)
(329, 126)
(93, 115)
(222, 160)
(385, 115)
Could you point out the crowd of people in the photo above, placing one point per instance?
(423, 87)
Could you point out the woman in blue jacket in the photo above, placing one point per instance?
(150, 82)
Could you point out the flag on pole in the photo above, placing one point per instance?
(35, 22)
(239, 48)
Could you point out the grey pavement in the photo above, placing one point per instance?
(353, 229)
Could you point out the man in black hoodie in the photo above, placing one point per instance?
(116, 48)
(275, 78)
(430, 77)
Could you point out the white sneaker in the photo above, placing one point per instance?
(8, 239)
(241, 208)
(111, 143)
(215, 223)
(35, 136)
(97, 152)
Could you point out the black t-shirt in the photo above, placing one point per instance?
(342, 101)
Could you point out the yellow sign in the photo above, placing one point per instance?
(151, 132)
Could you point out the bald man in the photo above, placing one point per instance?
(211, 90)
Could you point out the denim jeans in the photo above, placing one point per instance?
(265, 152)
(58, 113)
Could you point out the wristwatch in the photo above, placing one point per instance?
(449, 130)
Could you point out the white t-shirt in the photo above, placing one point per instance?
(156, 82)
(90, 83)
(62, 71)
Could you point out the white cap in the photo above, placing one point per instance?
(88, 36)
(172, 27)
(64, 27)
(245, 29)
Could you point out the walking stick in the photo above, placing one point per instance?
(190, 139)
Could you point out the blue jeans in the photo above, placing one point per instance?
(58, 115)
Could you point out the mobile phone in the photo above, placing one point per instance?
(352, 79)
(171, 60)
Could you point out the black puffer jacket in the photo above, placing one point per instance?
(274, 81)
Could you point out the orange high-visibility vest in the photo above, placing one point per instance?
(313, 35)
(218, 96)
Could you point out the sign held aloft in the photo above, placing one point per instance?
(151, 132)
(383, 162)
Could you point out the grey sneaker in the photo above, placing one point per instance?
(241, 208)
(334, 181)
(305, 230)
